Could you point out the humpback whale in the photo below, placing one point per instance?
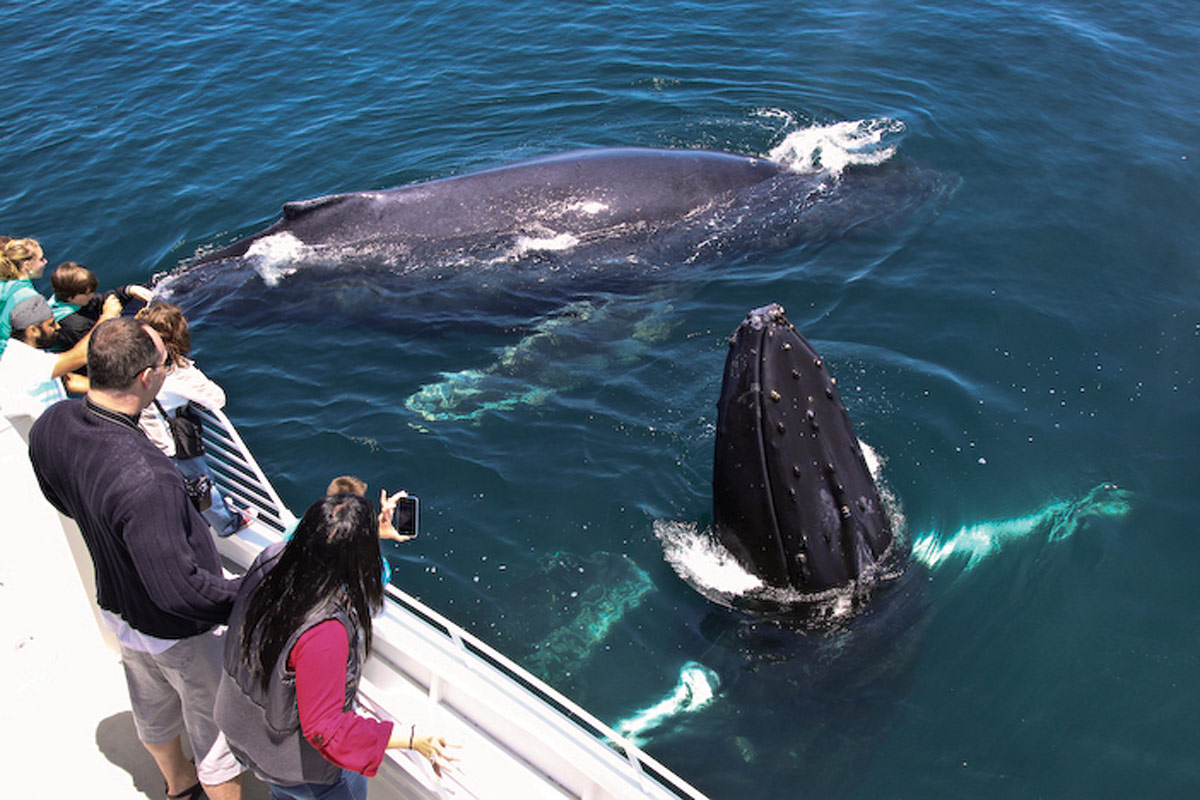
(552, 242)
(604, 208)
(793, 499)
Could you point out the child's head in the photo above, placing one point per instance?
(172, 326)
(347, 484)
(73, 282)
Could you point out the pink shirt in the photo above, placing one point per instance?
(348, 740)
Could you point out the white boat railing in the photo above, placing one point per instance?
(521, 737)
(237, 473)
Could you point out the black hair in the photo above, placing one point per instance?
(117, 352)
(334, 555)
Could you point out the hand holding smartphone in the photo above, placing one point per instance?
(399, 517)
(404, 518)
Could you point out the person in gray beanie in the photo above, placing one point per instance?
(32, 379)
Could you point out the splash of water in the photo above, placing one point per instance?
(838, 145)
(702, 560)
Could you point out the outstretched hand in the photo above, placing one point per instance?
(387, 507)
(435, 748)
(140, 292)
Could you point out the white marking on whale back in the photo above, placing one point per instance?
(836, 146)
(591, 207)
(555, 243)
(274, 257)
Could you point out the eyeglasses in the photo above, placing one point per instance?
(159, 365)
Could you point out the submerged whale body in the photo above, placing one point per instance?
(793, 498)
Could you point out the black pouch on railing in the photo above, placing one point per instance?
(186, 430)
(199, 491)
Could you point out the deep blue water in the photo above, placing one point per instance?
(1024, 362)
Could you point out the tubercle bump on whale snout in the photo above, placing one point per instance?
(762, 317)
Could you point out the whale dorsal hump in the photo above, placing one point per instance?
(298, 208)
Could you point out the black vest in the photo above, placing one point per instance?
(263, 727)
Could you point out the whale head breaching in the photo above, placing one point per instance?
(793, 498)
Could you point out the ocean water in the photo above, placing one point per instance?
(1021, 357)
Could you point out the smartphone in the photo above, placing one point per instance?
(404, 518)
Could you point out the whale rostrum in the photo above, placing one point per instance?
(793, 498)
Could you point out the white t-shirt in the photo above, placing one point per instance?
(27, 383)
(182, 384)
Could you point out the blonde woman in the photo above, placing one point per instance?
(21, 261)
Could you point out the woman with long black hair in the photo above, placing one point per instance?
(298, 635)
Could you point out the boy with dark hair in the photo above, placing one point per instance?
(76, 305)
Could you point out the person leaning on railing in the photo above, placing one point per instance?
(32, 378)
(298, 635)
(21, 261)
(76, 305)
(185, 383)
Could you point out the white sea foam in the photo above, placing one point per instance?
(836, 146)
(698, 558)
(874, 462)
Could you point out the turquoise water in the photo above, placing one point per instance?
(1023, 363)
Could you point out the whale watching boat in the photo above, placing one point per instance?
(519, 737)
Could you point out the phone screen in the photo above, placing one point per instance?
(404, 518)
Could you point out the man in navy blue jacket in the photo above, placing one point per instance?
(159, 581)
